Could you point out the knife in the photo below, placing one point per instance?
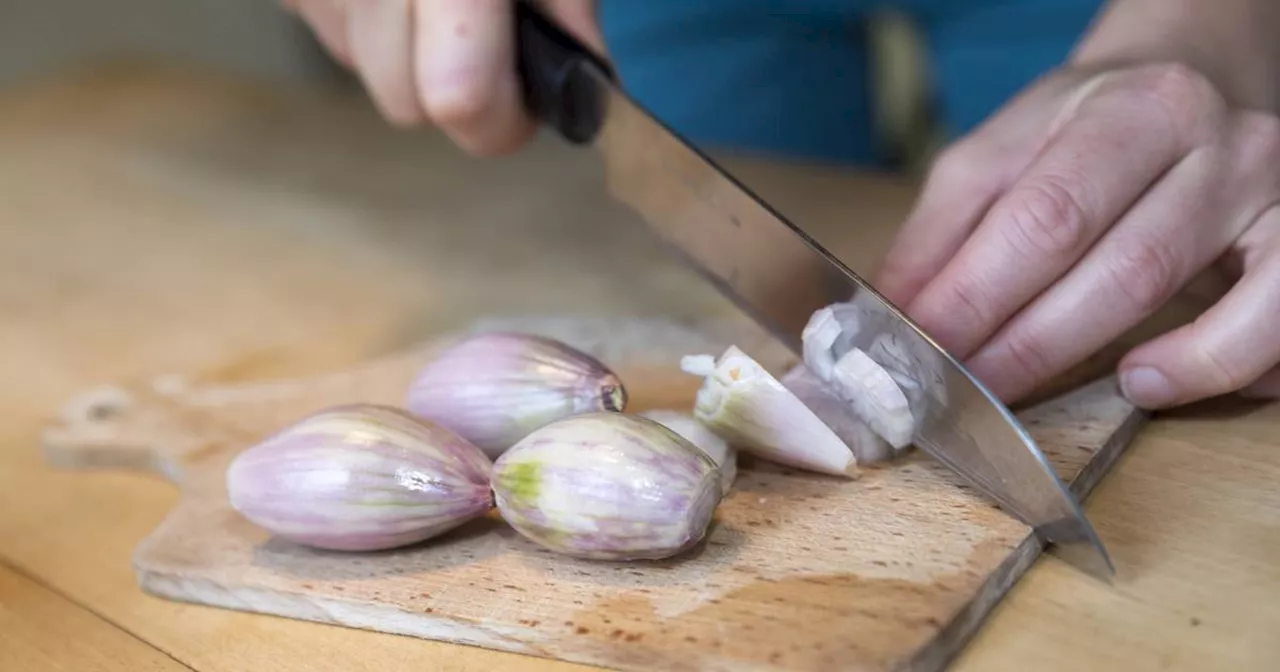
(780, 276)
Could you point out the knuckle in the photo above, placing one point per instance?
(1221, 372)
(969, 296)
(965, 162)
(1258, 141)
(899, 274)
(1146, 273)
(1181, 85)
(394, 100)
(1260, 128)
(1178, 93)
(463, 107)
(1045, 218)
(402, 116)
(1029, 354)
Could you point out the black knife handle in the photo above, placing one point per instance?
(556, 76)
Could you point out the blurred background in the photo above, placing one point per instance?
(40, 38)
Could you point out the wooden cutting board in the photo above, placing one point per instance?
(895, 570)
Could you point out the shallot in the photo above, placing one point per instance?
(494, 388)
(607, 486)
(359, 478)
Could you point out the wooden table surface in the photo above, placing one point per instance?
(159, 221)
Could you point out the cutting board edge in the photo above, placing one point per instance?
(377, 618)
(966, 625)
(936, 655)
(1117, 445)
(954, 638)
(325, 611)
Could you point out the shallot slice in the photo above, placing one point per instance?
(874, 396)
(875, 393)
(828, 335)
(866, 444)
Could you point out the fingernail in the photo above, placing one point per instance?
(1146, 387)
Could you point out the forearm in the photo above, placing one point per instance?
(1233, 42)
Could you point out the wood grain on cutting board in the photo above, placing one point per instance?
(157, 219)
(894, 570)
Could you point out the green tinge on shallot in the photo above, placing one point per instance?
(752, 410)
(607, 486)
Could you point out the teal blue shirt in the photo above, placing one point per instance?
(791, 77)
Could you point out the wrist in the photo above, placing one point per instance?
(1232, 42)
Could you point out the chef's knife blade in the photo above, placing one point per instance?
(780, 276)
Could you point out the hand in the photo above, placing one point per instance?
(446, 62)
(1082, 207)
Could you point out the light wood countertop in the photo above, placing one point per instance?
(158, 221)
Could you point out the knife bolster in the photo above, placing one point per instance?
(559, 76)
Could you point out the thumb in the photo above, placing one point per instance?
(1231, 346)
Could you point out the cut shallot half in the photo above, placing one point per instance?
(742, 402)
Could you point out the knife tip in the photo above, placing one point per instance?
(1075, 542)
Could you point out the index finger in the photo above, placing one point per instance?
(1101, 160)
(466, 68)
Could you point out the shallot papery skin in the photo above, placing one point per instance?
(494, 388)
(360, 477)
(608, 486)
